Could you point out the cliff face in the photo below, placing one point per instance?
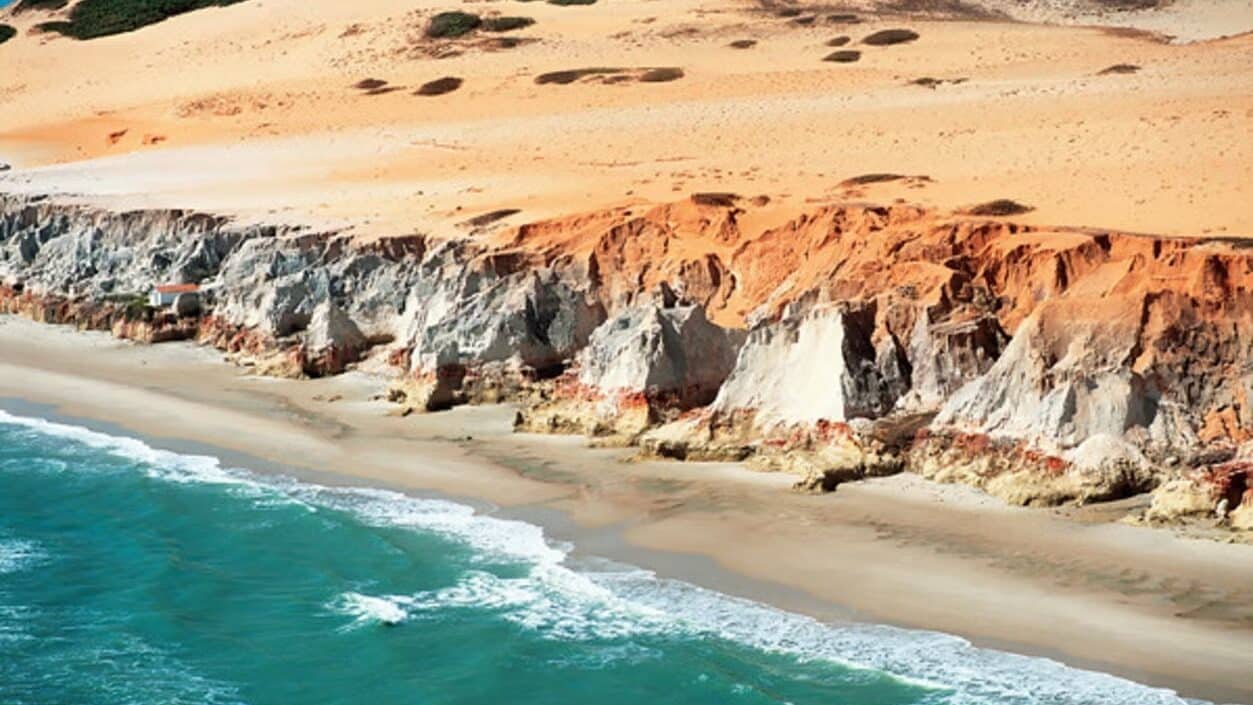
(644, 366)
(1043, 366)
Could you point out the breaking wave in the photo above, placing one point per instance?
(544, 594)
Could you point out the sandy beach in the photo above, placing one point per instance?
(1064, 584)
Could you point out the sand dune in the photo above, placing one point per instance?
(253, 108)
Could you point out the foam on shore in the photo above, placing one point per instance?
(543, 594)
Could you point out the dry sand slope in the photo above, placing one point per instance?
(261, 108)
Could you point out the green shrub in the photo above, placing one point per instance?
(1000, 207)
(452, 24)
(565, 78)
(134, 306)
(844, 56)
(888, 37)
(506, 24)
(6, 33)
(661, 75)
(100, 18)
(439, 86)
(866, 179)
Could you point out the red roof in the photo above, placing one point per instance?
(177, 288)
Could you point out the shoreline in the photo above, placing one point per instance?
(899, 550)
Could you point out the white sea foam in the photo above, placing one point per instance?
(157, 463)
(558, 602)
(19, 554)
(367, 609)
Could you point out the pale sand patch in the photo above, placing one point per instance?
(1136, 602)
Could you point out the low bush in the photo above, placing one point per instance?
(565, 78)
(1000, 207)
(452, 24)
(100, 18)
(846, 56)
(439, 86)
(506, 24)
(865, 179)
(661, 75)
(1119, 69)
(888, 37)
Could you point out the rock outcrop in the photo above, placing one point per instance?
(644, 366)
(332, 342)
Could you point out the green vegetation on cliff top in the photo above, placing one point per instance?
(100, 18)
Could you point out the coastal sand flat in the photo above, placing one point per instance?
(252, 108)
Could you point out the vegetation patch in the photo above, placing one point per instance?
(506, 24)
(374, 86)
(447, 25)
(843, 19)
(1000, 207)
(439, 86)
(934, 83)
(865, 179)
(743, 44)
(1118, 69)
(507, 42)
(564, 78)
(571, 2)
(6, 33)
(90, 19)
(838, 41)
(612, 75)
(717, 199)
(135, 306)
(844, 56)
(889, 37)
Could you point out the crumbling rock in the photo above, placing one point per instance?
(645, 365)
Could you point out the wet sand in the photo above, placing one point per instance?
(1140, 603)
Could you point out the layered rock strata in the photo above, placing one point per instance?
(1044, 366)
(642, 367)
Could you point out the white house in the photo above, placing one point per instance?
(164, 294)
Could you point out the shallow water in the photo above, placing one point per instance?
(130, 574)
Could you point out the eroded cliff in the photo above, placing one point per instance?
(1044, 366)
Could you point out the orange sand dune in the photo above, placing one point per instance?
(252, 108)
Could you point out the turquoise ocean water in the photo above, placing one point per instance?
(134, 575)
